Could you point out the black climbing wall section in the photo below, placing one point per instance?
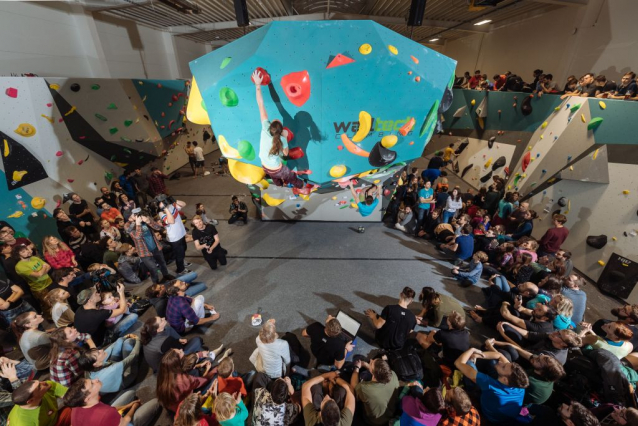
(16, 158)
(84, 134)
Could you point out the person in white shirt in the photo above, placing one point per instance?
(175, 231)
(199, 158)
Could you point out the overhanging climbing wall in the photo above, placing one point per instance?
(356, 95)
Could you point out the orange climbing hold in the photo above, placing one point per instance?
(339, 60)
(416, 61)
(350, 146)
(296, 86)
(407, 127)
(526, 160)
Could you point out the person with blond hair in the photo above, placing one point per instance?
(230, 409)
(61, 312)
(272, 356)
(57, 254)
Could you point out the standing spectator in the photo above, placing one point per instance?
(175, 232)
(11, 303)
(141, 185)
(79, 210)
(588, 86)
(35, 345)
(156, 185)
(125, 183)
(191, 157)
(426, 199)
(537, 76)
(566, 257)
(604, 86)
(36, 404)
(627, 88)
(238, 211)
(35, 272)
(183, 312)
(58, 254)
(380, 394)
(199, 158)
(148, 246)
(395, 323)
(475, 80)
(571, 290)
(554, 237)
(206, 239)
(499, 81)
(126, 206)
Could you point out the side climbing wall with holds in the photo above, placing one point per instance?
(56, 137)
(354, 97)
(575, 156)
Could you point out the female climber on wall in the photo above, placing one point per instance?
(273, 146)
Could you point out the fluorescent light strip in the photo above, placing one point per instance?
(435, 39)
(486, 21)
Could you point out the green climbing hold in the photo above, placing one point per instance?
(113, 157)
(100, 117)
(128, 122)
(204, 106)
(109, 175)
(113, 130)
(246, 150)
(95, 86)
(228, 97)
(430, 120)
(111, 106)
(594, 123)
(533, 184)
(225, 62)
(168, 168)
(575, 108)
(128, 151)
(125, 139)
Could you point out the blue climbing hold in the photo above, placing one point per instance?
(569, 157)
(544, 171)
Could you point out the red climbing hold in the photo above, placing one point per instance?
(170, 123)
(159, 85)
(526, 160)
(163, 114)
(265, 76)
(339, 60)
(12, 92)
(296, 86)
(174, 98)
(295, 153)
(70, 180)
(290, 135)
(170, 104)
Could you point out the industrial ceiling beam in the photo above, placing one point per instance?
(564, 2)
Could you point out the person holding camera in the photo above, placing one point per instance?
(238, 211)
(175, 230)
(206, 239)
(147, 245)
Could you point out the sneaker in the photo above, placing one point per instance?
(184, 272)
(187, 264)
(214, 222)
(399, 227)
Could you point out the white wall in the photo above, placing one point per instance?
(600, 38)
(61, 40)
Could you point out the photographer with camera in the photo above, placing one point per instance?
(206, 239)
(175, 230)
(147, 245)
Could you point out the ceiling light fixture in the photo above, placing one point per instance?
(485, 21)
(434, 39)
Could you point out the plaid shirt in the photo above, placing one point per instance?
(65, 369)
(136, 233)
(470, 419)
(156, 183)
(178, 310)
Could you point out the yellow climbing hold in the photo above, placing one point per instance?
(393, 49)
(6, 148)
(544, 125)
(226, 149)
(614, 238)
(354, 206)
(334, 198)
(54, 86)
(602, 105)
(38, 203)
(542, 136)
(272, 201)
(16, 215)
(25, 129)
(264, 184)
(582, 118)
(529, 148)
(389, 141)
(338, 170)
(69, 112)
(18, 175)
(195, 111)
(49, 119)
(571, 168)
(595, 155)
(626, 192)
(365, 123)
(245, 173)
(473, 102)
(489, 162)
(601, 263)
(304, 197)
(365, 49)
(569, 207)
(376, 181)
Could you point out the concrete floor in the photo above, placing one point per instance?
(300, 272)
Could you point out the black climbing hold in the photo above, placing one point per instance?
(461, 147)
(466, 169)
(500, 162)
(597, 241)
(146, 116)
(75, 87)
(617, 276)
(206, 135)
(490, 142)
(381, 156)
(526, 106)
(624, 233)
(486, 177)
(562, 201)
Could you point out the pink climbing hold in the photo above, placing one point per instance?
(296, 86)
(60, 120)
(59, 154)
(162, 127)
(170, 123)
(12, 92)
(80, 162)
(340, 147)
(49, 105)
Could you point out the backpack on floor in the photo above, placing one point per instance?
(406, 363)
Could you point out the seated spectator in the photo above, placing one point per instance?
(65, 354)
(617, 338)
(110, 213)
(36, 404)
(228, 380)
(501, 398)
(63, 221)
(336, 409)
(604, 87)
(555, 344)
(378, 395)
(566, 257)
(116, 367)
(12, 303)
(472, 273)
(87, 409)
(35, 272)
(206, 239)
(462, 246)
(61, 312)
(129, 265)
(110, 230)
(571, 87)
(238, 211)
(183, 313)
(80, 212)
(58, 254)
(422, 407)
(460, 411)
(554, 237)
(272, 356)
(523, 228)
(431, 222)
(454, 339)
(230, 409)
(625, 416)
(573, 414)
(273, 405)
(200, 210)
(435, 307)
(158, 337)
(157, 292)
(627, 88)
(110, 303)
(462, 82)
(522, 270)
(327, 343)
(35, 345)
(564, 310)
(541, 321)
(499, 81)
(110, 248)
(90, 319)
(126, 206)
(404, 217)
(173, 384)
(189, 411)
(588, 86)
(395, 323)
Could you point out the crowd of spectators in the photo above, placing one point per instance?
(67, 305)
(588, 85)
